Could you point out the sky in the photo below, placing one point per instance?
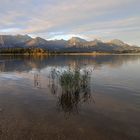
(62, 19)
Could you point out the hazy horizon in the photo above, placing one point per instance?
(88, 19)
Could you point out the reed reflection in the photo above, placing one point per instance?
(2, 66)
(37, 81)
(72, 86)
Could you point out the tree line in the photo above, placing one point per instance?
(18, 50)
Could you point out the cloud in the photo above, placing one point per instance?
(59, 18)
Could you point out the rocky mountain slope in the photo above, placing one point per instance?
(74, 44)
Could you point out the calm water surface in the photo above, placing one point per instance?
(70, 98)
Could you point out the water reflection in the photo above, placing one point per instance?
(67, 77)
(53, 81)
(31, 87)
(72, 87)
(2, 66)
(26, 63)
(37, 80)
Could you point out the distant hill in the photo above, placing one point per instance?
(36, 43)
(8, 41)
(75, 44)
(75, 41)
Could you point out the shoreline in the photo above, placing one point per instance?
(67, 54)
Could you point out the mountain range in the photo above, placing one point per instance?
(75, 44)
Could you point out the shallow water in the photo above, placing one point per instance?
(36, 105)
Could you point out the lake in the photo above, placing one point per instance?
(70, 97)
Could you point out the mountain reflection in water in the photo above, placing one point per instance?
(27, 63)
(53, 97)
